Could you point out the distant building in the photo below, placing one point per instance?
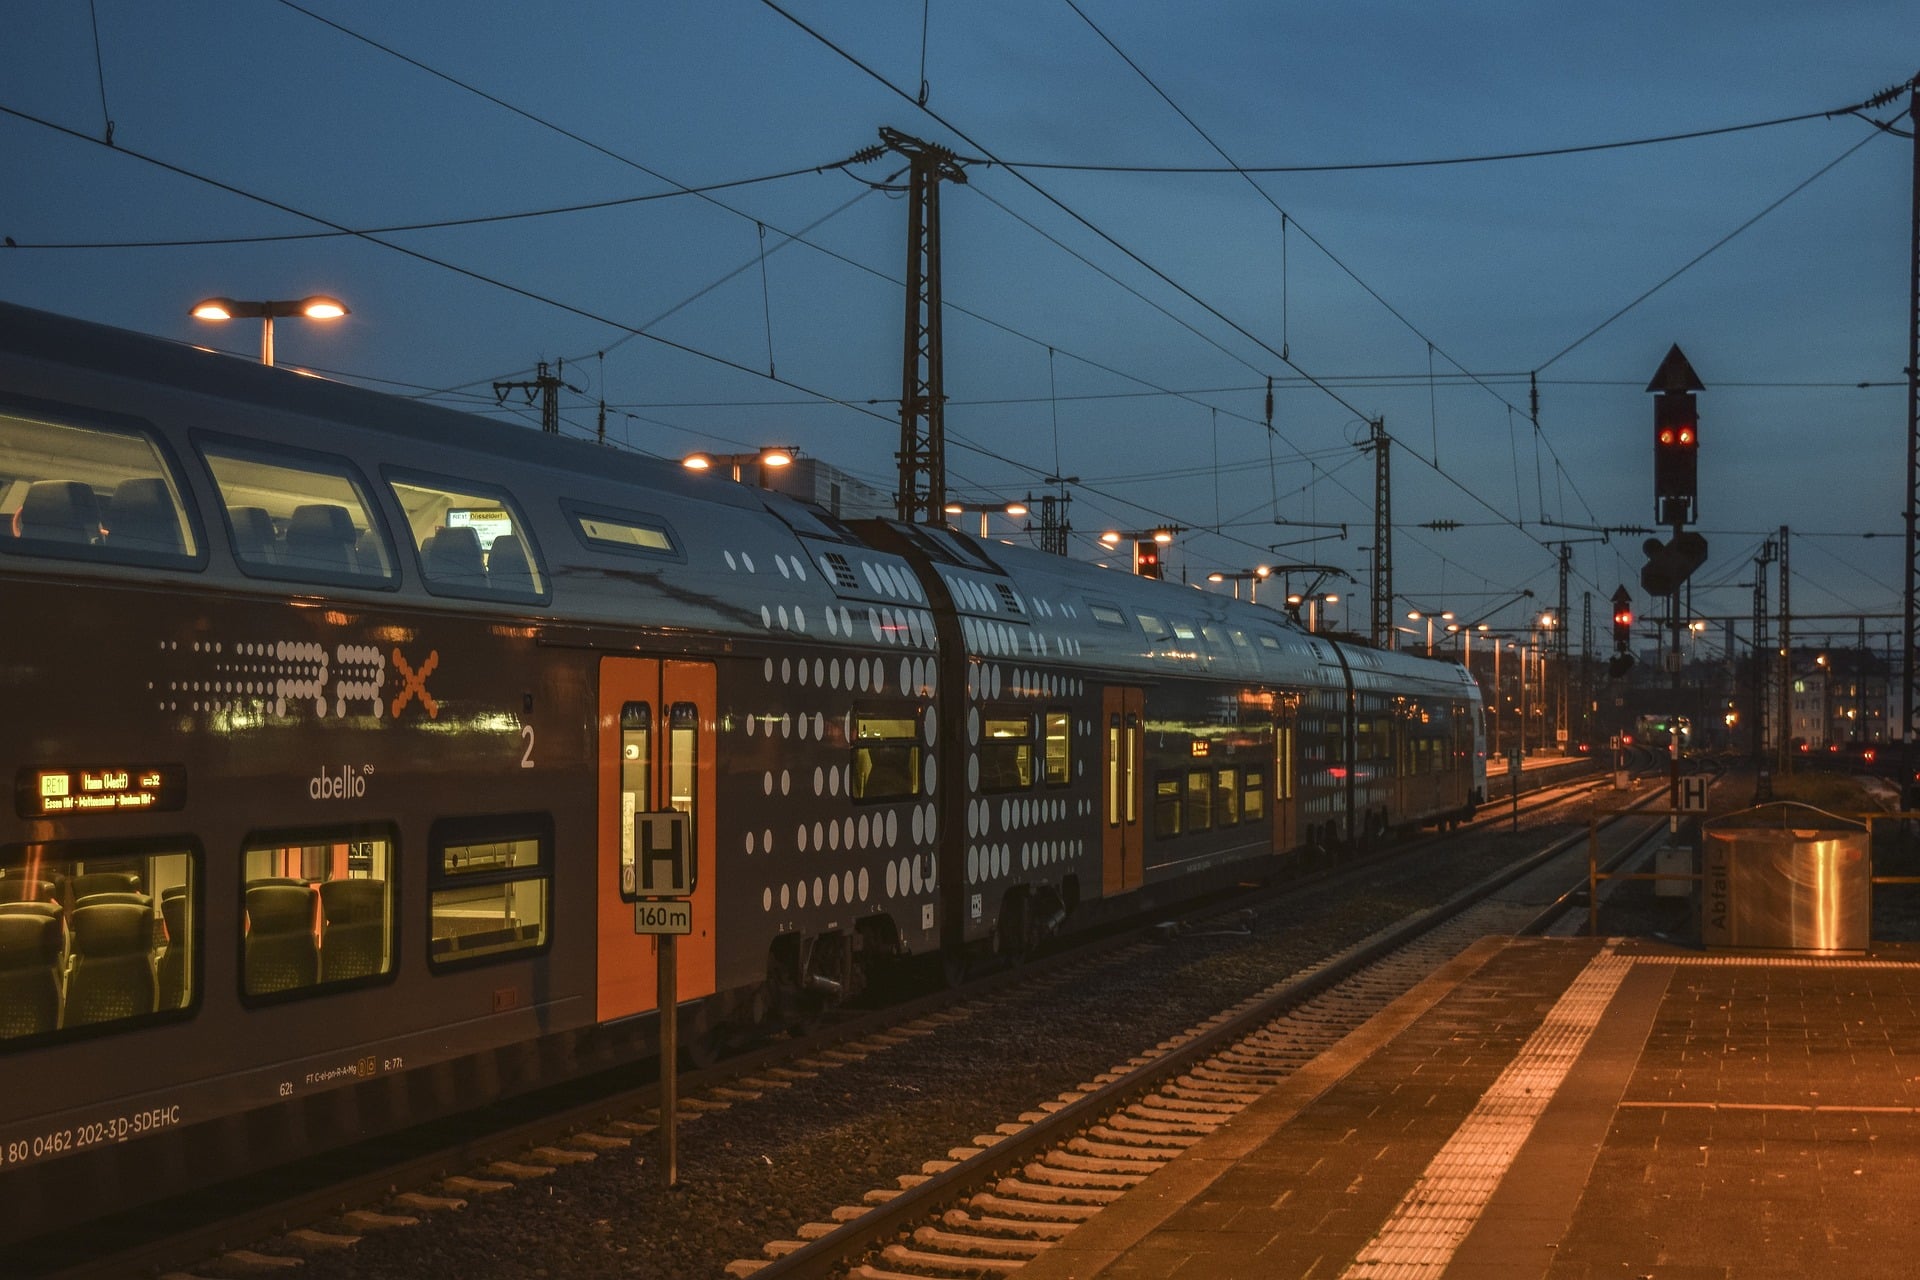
(1839, 696)
(828, 487)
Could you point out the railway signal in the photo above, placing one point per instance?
(1622, 660)
(1676, 447)
(1676, 439)
(1146, 557)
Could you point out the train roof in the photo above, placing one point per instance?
(742, 560)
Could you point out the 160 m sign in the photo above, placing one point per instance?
(670, 917)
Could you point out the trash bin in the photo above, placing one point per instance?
(1787, 876)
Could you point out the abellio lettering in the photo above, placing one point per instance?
(347, 783)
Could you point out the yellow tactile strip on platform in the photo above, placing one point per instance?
(1420, 1236)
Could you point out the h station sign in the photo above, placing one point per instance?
(658, 872)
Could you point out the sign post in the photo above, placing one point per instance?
(658, 870)
(1513, 772)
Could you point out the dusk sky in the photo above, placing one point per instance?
(1117, 325)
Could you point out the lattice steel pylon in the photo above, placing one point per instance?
(1762, 650)
(923, 442)
(1907, 708)
(1382, 585)
(1783, 732)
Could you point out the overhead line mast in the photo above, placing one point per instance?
(922, 495)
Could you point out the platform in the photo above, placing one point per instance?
(1565, 1108)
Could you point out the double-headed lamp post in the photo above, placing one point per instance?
(1415, 615)
(1312, 601)
(1016, 509)
(1252, 577)
(771, 458)
(317, 307)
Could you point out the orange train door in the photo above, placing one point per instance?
(656, 751)
(1123, 760)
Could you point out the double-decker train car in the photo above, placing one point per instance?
(331, 721)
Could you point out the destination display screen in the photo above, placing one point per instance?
(48, 793)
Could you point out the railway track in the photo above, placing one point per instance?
(615, 1126)
(987, 1209)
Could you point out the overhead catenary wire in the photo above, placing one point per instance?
(441, 224)
(468, 272)
(1539, 153)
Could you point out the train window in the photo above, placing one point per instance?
(683, 761)
(300, 517)
(1006, 752)
(96, 936)
(471, 539)
(1269, 642)
(1058, 747)
(636, 756)
(317, 911)
(1226, 797)
(490, 886)
(1106, 615)
(1166, 806)
(1155, 629)
(625, 532)
(1183, 631)
(1199, 797)
(886, 753)
(80, 490)
(1253, 797)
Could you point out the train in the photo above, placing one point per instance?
(346, 729)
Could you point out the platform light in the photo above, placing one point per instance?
(317, 306)
(771, 458)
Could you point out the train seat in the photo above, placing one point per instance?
(320, 535)
(353, 929)
(112, 973)
(254, 537)
(59, 511)
(281, 955)
(113, 895)
(452, 556)
(89, 883)
(173, 961)
(508, 566)
(30, 965)
(21, 889)
(143, 518)
(368, 555)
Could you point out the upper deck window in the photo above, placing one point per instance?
(299, 516)
(607, 530)
(471, 539)
(90, 492)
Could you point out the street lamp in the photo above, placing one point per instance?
(1253, 577)
(1312, 601)
(771, 458)
(1415, 615)
(1016, 509)
(317, 307)
(1466, 640)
